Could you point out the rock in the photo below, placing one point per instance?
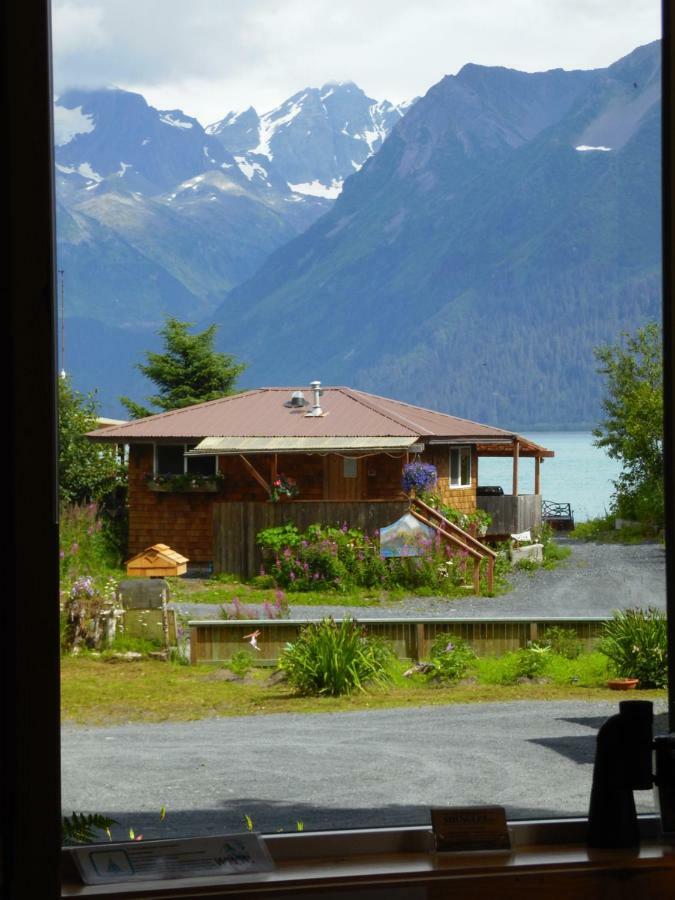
(159, 654)
(420, 668)
(129, 656)
(533, 552)
(143, 593)
(277, 677)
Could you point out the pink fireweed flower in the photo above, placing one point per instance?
(74, 547)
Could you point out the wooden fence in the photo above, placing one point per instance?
(236, 525)
(218, 641)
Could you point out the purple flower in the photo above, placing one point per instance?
(62, 554)
(74, 547)
(449, 648)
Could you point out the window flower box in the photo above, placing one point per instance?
(188, 483)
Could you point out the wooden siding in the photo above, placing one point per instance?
(463, 499)
(217, 642)
(184, 521)
(236, 525)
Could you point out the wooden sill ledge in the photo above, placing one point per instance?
(355, 864)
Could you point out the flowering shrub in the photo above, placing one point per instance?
(284, 486)
(452, 656)
(418, 476)
(339, 559)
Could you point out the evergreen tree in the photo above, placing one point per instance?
(188, 371)
(88, 471)
(632, 431)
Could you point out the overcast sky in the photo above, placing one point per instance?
(207, 57)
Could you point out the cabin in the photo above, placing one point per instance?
(332, 445)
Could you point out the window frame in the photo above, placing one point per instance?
(463, 450)
(30, 762)
(186, 459)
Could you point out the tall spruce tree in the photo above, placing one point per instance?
(188, 371)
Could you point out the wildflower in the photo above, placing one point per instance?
(62, 554)
(74, 547)
(450, 647)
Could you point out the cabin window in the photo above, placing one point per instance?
(460, 467)
(170, 459)
(350, 467)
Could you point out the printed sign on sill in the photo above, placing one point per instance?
(232, 854)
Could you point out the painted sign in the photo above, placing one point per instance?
(405, 537)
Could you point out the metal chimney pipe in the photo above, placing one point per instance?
(316, 409)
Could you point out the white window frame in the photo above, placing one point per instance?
(463, 450)
(185, 459)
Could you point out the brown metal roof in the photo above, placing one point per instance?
(261, 413)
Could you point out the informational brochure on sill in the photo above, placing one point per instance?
(230, 854)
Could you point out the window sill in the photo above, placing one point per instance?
(544, 855)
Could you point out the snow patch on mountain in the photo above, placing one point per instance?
(316, 189)
(250, 169)
(68, 123)
(170, 119)
(272, 121)
(584, 147)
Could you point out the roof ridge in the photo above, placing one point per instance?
(386, 414)
(433, 411)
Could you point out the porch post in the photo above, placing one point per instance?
(516, 457)
(537, 475)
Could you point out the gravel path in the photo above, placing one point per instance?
(594, 581)
(339, 770)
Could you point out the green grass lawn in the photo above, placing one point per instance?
(95, 692)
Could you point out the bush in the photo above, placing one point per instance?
(636, 643)
(340, 559)
(563, 641)
(452, 656)
(334, 659)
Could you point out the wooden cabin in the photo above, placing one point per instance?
(336, 444)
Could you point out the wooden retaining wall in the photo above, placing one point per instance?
(218, 641)
(236, 525)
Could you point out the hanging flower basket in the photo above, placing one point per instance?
(283, 487)
(419, 477)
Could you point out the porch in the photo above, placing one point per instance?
(515, 512)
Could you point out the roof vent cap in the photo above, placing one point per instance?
(316, 408)
(297, 401)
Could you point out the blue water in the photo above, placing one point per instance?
(579, 473)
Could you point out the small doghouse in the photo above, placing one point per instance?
(158, 561)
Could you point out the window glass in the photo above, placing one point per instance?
(463, 241)
(460, 466)
(201, 465)
(169, 459)
(350, 467)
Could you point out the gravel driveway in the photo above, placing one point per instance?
(339, 770)
(594, 581)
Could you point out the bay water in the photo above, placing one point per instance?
(579, 473)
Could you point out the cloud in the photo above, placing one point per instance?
(210, 56)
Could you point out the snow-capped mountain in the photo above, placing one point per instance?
(312, 141)
(158, 216)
